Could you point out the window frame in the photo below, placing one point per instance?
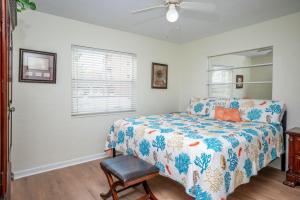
(90, 114)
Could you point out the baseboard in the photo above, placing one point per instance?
(58, 165)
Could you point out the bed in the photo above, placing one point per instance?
(209, 158)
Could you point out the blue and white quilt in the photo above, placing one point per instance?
(209, 158)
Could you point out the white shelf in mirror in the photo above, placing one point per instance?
(241, 67)
(234, 83)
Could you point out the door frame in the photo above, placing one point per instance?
(4, 134)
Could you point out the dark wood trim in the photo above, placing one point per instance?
(152, 76)
(283, 156)
(4, 64)
(293, 173)
(21, 51)
(4, 98)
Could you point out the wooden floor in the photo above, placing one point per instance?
(86, 181)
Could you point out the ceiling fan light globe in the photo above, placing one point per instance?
(172, 14)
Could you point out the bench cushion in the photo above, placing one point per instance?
(127, 168)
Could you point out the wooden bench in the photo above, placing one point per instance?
(129, 172)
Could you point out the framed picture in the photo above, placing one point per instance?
(37, 66)
(239, 81)
(159, 76)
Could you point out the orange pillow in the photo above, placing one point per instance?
(227, 114)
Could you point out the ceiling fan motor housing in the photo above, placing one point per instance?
(176, 2)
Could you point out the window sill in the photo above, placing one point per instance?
(103, 114)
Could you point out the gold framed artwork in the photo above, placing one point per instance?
(37, 66)
(159, 78)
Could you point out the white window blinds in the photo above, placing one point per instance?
(220, 83)
(103, 81)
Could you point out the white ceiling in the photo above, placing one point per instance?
(230, 14)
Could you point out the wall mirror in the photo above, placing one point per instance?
(245, 74)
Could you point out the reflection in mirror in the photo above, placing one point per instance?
(246, 74)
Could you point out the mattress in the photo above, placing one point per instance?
(209, 158)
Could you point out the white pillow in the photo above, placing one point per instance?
(200, 106)
(266, 111)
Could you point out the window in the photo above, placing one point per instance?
(221, 76)
(103, 81)
(221, 83)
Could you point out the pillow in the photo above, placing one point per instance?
(265, 111)
(224, 102)
(227, 114)
(199, 106)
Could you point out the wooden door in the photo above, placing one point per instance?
(5, 98)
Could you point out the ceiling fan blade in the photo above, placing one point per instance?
(148, 20)
(147, 9)
(196, 15)
(206, 7)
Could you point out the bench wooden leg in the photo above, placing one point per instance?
(148, 191)
(145, 197)
(106, 195)
(112, 185)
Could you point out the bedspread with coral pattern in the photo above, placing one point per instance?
(209, 158)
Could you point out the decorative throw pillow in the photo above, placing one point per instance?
(266, 111)
(199, 106)
(227, 114)
(224, 102)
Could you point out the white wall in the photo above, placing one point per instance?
(43, 130)
(282, 33)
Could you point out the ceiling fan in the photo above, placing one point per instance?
(173, 6)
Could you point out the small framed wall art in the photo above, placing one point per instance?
(239, 81)
(159, 78)
(37, 66)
